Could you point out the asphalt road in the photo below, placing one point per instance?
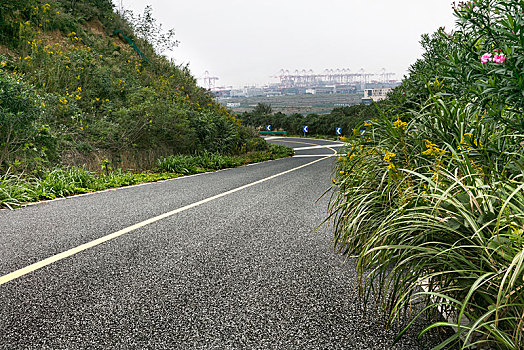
(247, 269)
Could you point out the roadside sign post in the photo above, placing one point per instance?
(305, 129)
(268, 127)
(338, 131)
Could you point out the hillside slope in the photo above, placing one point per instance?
(78, 87)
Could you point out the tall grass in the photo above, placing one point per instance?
(186, 164)
(206, 161)
(431, 203)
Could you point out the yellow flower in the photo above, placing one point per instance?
(342, 172)
(433, 150)
(367, 124)
(389, 155)
(399, 124)
(3, 63)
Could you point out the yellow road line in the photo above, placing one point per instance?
(48, 261)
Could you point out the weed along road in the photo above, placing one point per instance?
(224, 260)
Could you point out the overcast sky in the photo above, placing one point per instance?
(245, 42)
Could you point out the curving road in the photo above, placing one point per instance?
(226, 260)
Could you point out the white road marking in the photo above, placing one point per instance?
(315, 147)
(313, 155)
(48, 261)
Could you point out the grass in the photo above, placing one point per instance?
(433, 210)
(17, 189)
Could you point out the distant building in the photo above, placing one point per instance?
(374, 95)
(254, 91)
(322, 90)
(272, 93)
(237, 93)
(233, 104)
(346, 89)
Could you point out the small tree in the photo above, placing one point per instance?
(147, 28)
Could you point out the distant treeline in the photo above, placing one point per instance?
(346, 118)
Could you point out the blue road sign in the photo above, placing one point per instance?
(362, 132)
(306, 128)
(268, 127)
(338, 131)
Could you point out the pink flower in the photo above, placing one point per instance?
(486, 58)
(499, 58)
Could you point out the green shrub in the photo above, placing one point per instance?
(430, 198)
(22, 137)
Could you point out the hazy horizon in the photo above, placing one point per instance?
(245, 43)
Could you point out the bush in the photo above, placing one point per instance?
(430, 198)
(22, 137)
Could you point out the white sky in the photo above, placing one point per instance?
(245, 42)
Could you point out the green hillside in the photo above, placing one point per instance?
(78, 86)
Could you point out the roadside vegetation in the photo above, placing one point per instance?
(347, 118)
(19, 189)
(430, 198)
(81, 85)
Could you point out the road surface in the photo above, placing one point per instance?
(226, 260)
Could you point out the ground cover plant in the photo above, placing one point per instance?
(19, 189)
(430, 195)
